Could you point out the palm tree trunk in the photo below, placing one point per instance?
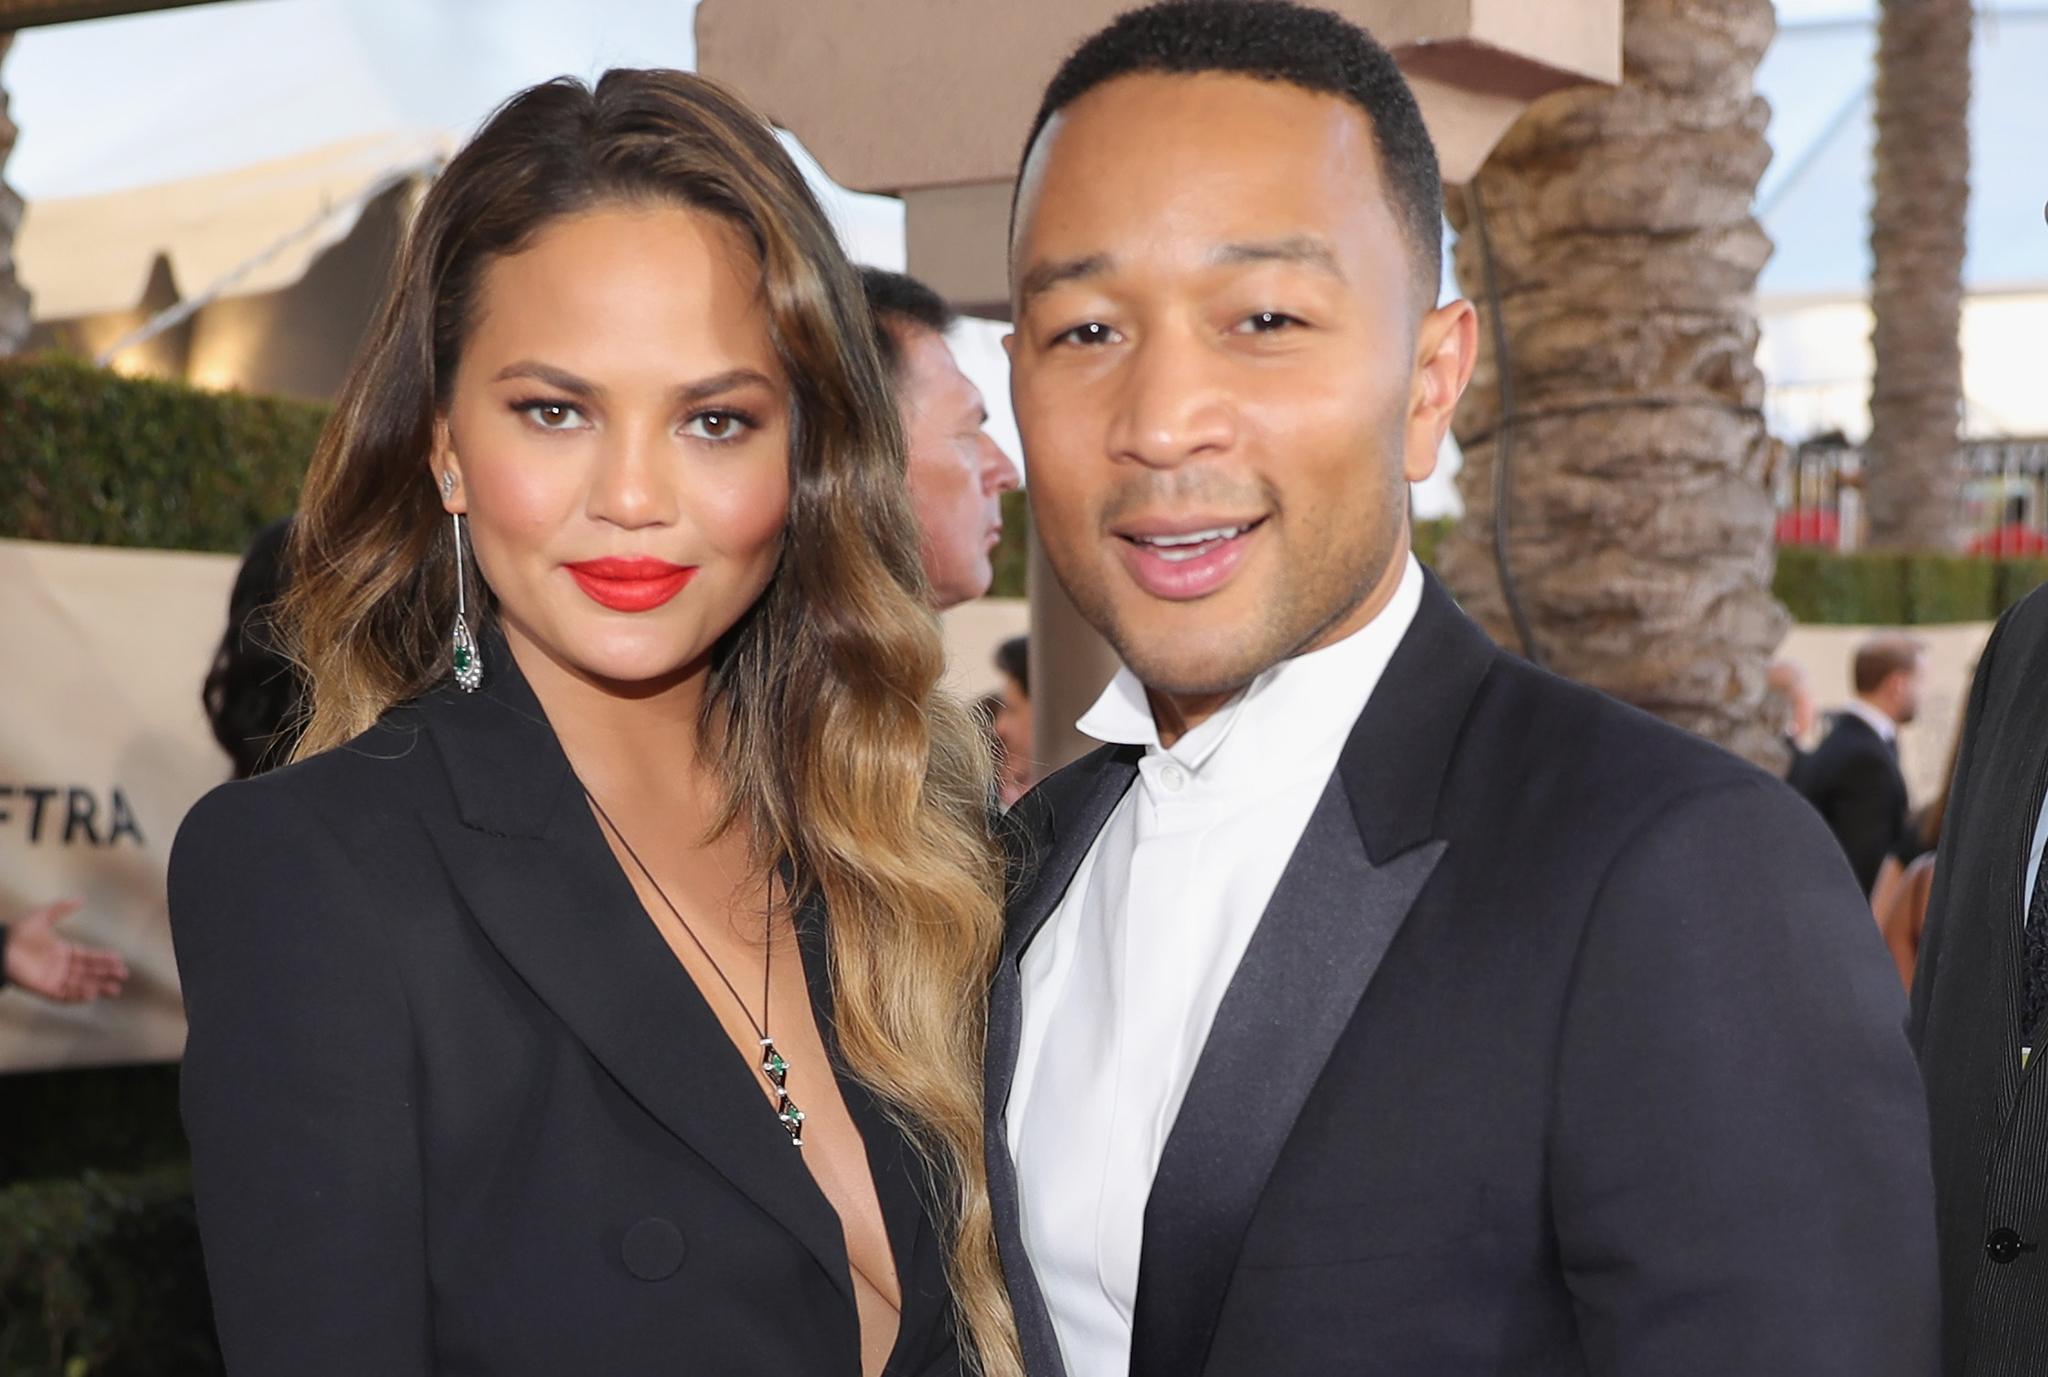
(14, 317)
(1626, 258)
(1920, 175)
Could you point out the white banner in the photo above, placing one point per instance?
(103, 747)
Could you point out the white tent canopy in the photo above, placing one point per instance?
(278, 113)
(254, 229)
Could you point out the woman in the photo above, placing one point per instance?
(588, 997)
(253, 697)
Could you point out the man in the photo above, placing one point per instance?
(1853, 776)
(1979, 997)
(957, 474)
(1786, 682)
(1011, 721)
(1373, 1002)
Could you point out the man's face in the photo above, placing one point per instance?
(1222, 373)
(1908, 686)
(957, 474)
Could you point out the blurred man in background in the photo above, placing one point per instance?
(1788, 686)
(1012, 721)
(1853, 776)
(957, 474)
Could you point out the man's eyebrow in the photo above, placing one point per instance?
(1043, 277)
(1304, 249)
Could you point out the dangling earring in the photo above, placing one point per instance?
(469, 664)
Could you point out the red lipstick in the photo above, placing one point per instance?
(630, 585)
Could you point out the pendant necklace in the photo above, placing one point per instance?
(773, 1067)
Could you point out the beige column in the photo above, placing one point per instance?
(929, 100)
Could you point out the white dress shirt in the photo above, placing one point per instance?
(1122, 983)
(2033, 866)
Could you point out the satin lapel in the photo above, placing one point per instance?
(1055, 827)
(1317, 947)
(541, 883)
(1369, 848)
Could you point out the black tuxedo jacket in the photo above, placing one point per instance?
(1990, 1115)
(454, 1106)
(1853, 778)
(1565, 1046)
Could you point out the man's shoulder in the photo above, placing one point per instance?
(2021, 636)
(1848, 738)
(1600, 765)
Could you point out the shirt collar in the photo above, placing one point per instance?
(1879, 720)
(1288, 709)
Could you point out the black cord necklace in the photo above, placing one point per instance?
(773, 1066)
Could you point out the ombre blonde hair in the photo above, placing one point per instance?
(837, 749)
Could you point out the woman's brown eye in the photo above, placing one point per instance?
(716, 425)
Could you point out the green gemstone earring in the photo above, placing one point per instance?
(469, 663)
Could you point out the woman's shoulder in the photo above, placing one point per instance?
(387, 770)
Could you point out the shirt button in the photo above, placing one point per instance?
(1172, 776)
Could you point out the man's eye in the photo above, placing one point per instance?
(1094, 332)
(1266, 322)
(552, 415)
(717, 425)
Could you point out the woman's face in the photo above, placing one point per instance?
(618, 431)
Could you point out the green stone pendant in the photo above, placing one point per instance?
(777, 1071)
(468, 663)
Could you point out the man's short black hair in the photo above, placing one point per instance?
(899, 300)
(1276, 40)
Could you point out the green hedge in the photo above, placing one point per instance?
(101, 1277)
(1890, 588)
(1869, 588)
(88, 457)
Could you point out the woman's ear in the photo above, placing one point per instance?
(447, 468)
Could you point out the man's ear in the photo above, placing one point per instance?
(1446, 347)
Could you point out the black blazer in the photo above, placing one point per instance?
(455, 1107)
(1565, 1046)
(1853, 778)
(1990, 1116)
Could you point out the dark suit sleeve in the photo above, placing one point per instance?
(1739, 1165)
(1961, 816)
(298, 1096)
(1867, 810)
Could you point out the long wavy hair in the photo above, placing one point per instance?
(837, 749)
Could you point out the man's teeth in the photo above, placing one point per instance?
(1193, 537)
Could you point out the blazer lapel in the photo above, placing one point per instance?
(1053, 829)
(1365, 856)
(1316, 949)
(541, 882)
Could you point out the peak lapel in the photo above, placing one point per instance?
(1368, 850)
(1316, 950)
(540, 881)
